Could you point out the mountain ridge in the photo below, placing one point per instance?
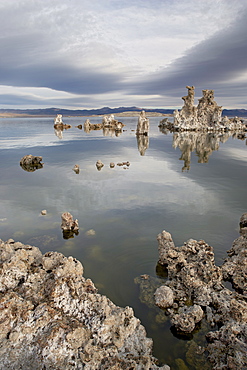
(104, 110)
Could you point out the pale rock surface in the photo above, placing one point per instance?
(68, 223)
(164, 297)
(31, 163)
(206, 116)
(198, 290)
(99, 164)
(143, 124)
(58, 123)
(51, 317)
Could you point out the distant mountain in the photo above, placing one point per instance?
(234, 112)
(102, 111)
(79, 112)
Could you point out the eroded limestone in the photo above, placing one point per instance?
(52, 317)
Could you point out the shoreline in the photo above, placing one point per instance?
(122, 114)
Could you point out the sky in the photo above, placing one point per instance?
(84, 54)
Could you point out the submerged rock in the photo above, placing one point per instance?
(52, 317)
(31, 163)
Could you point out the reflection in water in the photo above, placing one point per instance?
(111, 132)
(142, 143)
(203, 144)
(68, 234)
(58, 129)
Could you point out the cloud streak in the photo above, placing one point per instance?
(89, 54)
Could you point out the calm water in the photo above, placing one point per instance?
(199, 194)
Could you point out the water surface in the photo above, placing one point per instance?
(193, 186)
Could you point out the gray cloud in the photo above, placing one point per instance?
(105, 50)
(215, 63)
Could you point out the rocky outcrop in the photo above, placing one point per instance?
(69, 225)
(88, 126)
(195, 289)
(58, 123)
(110, 126)
(51, 317)
(143, 124)
(111, 122)
(31, 163)
(206, 116)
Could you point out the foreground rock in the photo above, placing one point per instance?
(31, 163)
(51, 317)
(195, 290)
(206, 116)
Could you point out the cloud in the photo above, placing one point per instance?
(112, 50)
(217, 63)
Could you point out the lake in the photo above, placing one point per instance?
(192, 185)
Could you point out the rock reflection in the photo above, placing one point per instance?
(59, 130)
(142, 143)
(110, 126)
(202, 143)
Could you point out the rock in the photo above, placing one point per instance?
(52, 317)
(197, 286)
(69, 225)
(99, 165)
(58, 123)
(112, 165)
(44, 212)
(187, 317)
(206, 116)
(164, 297)
(31, 163)
(76, 169)
(58, 120)
(143, 124)
(111, 122)
(88, 126)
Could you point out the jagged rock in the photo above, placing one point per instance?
(99, 165)
(206, 116)
(58, 120)
(69, 225)
(235, 266)
(51, 317)
(111, 122)
(88, 126)
(187, 318)
(143, 124)
(58, 123)
(31, 163)
(76, 169)
(198, 290)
